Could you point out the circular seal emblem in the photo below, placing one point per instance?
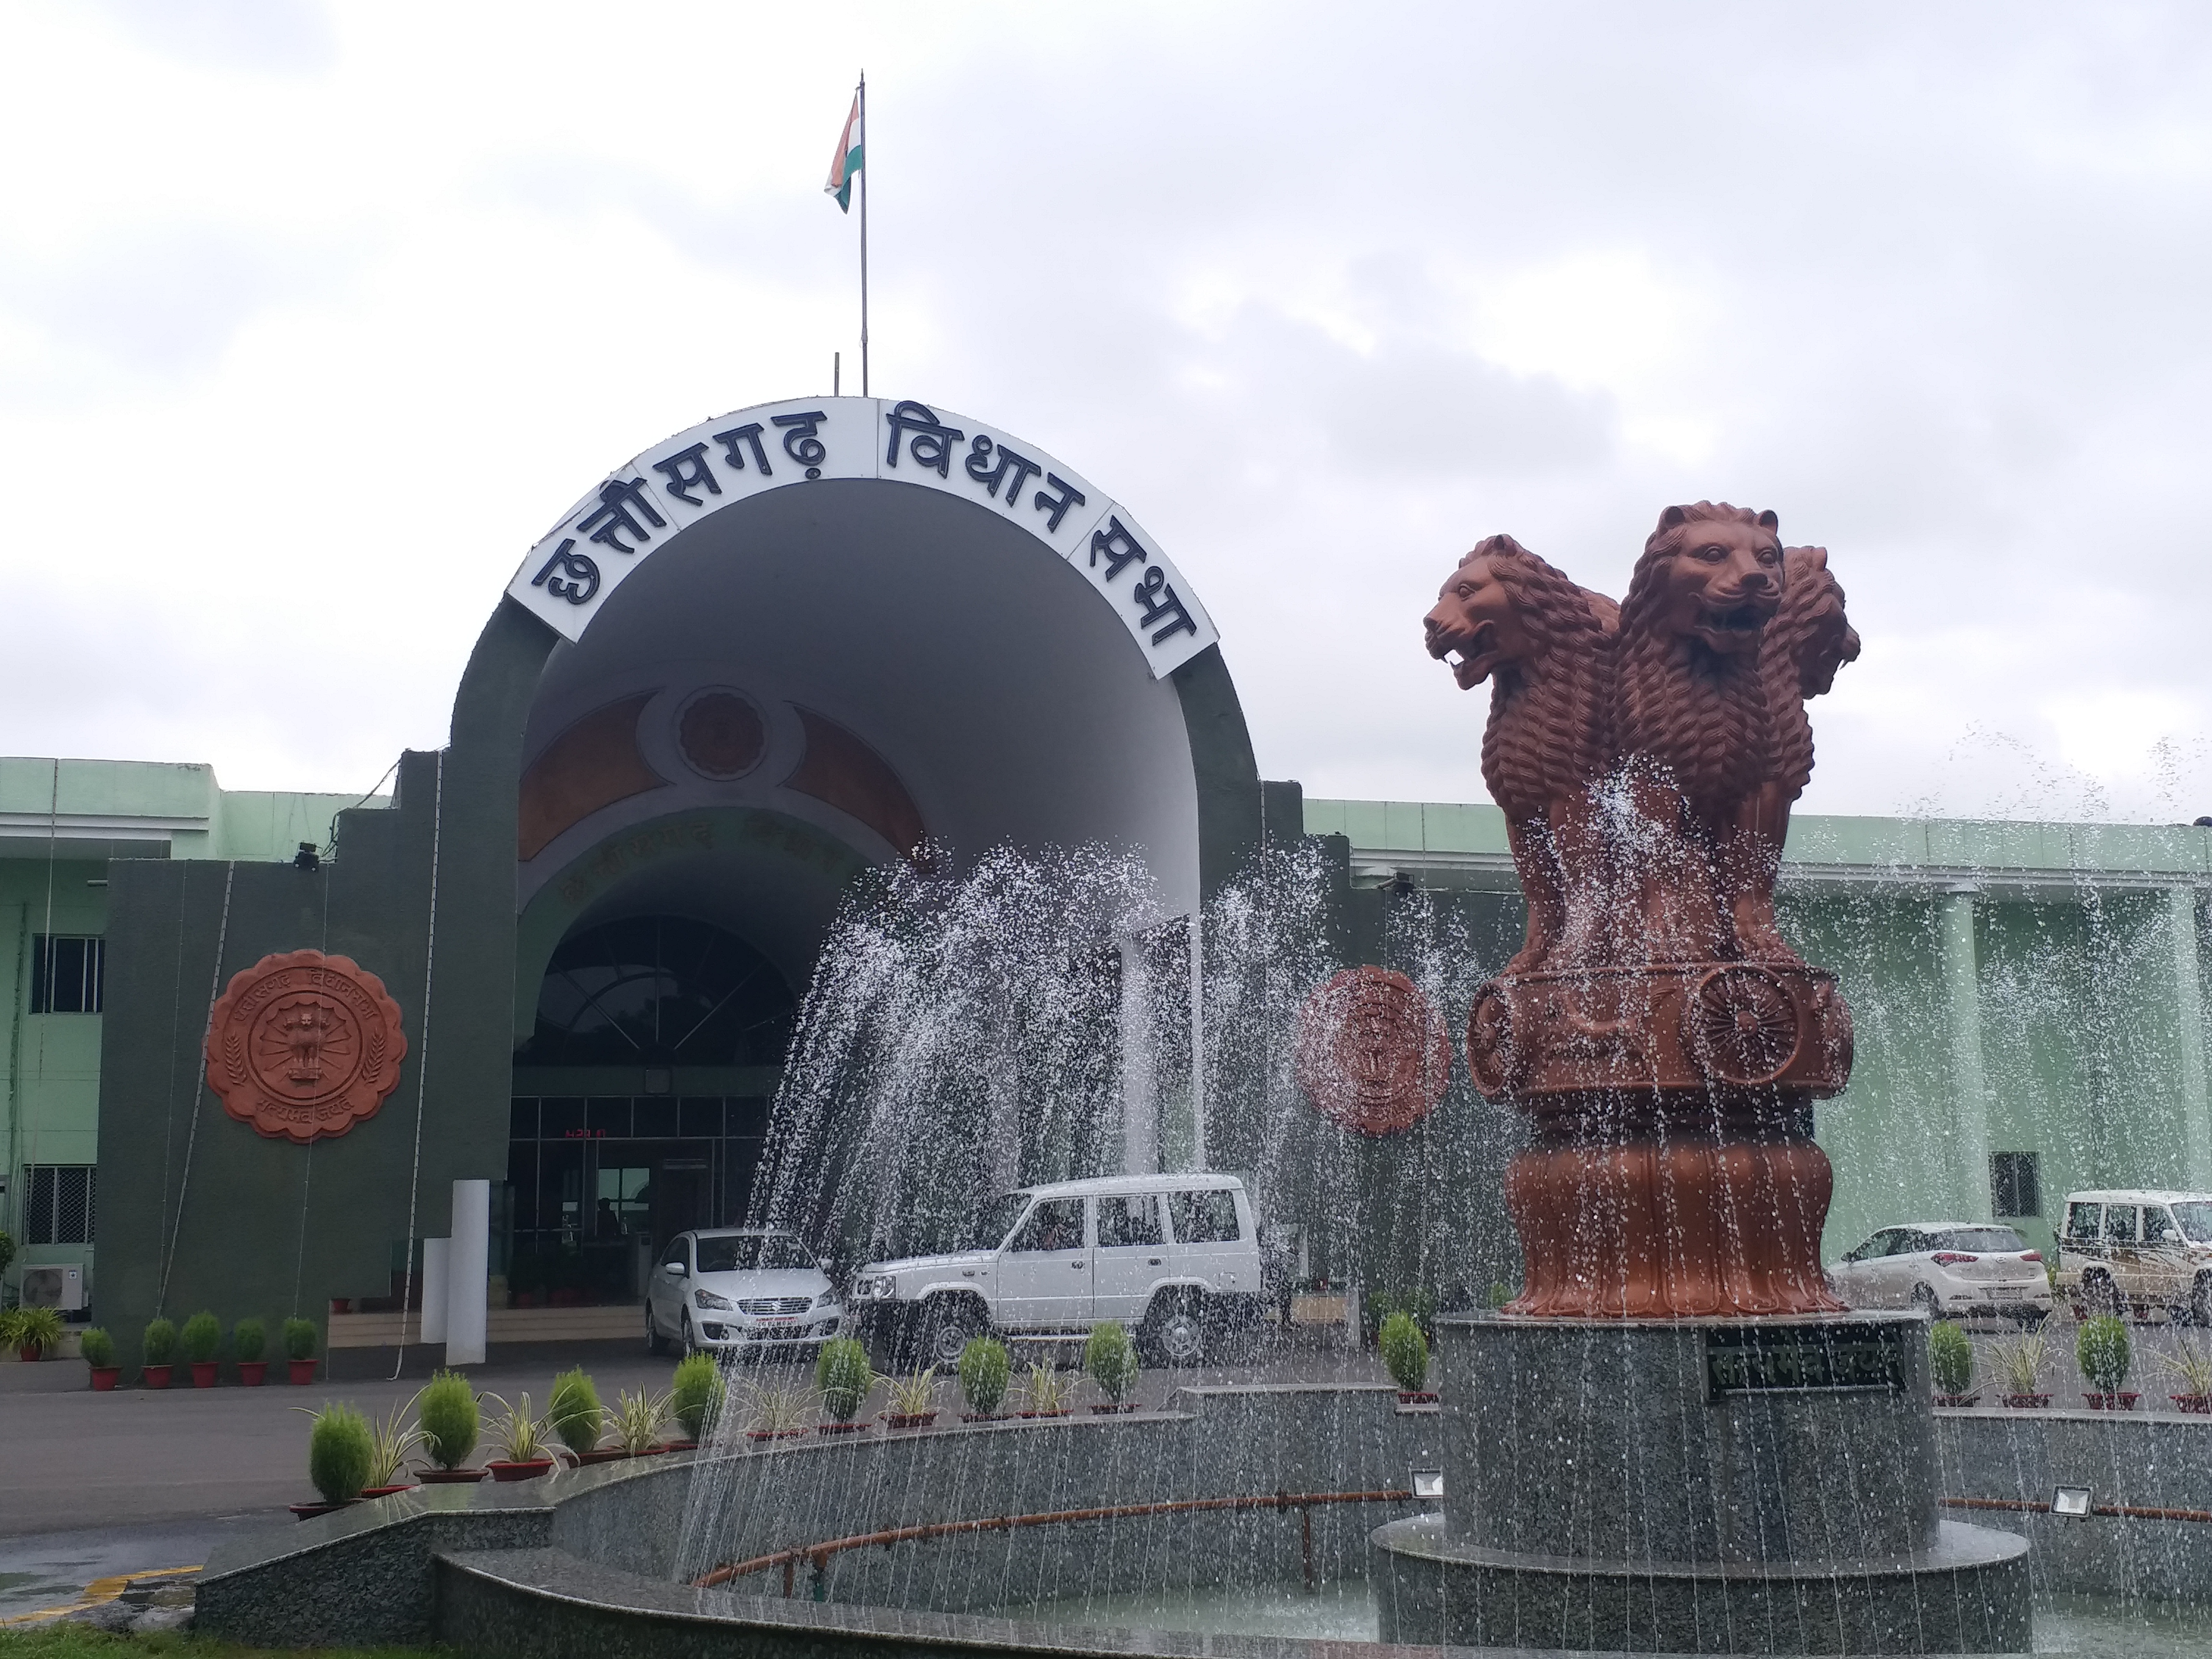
(1372, 1056)
(301, 1046)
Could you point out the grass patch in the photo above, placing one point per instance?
(71, 1641)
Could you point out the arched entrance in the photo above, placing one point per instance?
(796, 642)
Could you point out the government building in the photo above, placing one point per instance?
(255, 1039)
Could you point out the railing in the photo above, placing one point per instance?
(2038, 1506)
(818, 1555)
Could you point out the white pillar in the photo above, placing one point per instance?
(2188, 1078)
(468, 1262)
(1970, 1100)
(1197, 1044)
(436, 1265)
(1140, 1101)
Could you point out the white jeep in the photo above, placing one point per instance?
(1175, 1256)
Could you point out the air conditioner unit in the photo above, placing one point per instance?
(59, 1288)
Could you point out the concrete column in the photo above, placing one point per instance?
(1197, 1043)
(1970, 1101)
(436, 1265)
(1141, 1099)
(468, 1268)
(2191, 1092)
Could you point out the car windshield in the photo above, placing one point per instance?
(1980, 1240)
(996, 1221)
(744, 1253)
(2196, 1218)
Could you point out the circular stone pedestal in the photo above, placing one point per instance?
(1742, 1487)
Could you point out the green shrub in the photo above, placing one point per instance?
(249, 1341)
(1111, 1359)
(984, 1371)
(447, 1413)
(844, 1376)
(159, 1344)
(339, 1449)
(1950, 1358)
(1405, 1352)
(1375, 1309)
(695, 1395)
(2104, 1354)
(574, 1411)
(97, 1346)
(1498, 1295)
(39, 1329)
(202, 1337)
(300, 1339)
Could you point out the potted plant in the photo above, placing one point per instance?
(300, 1340)
(913, 1400)
(1951, 1362)
(572, 1412)
(637, 1419)
(1111, 1359)
(694, 1399)
(843, 1377)
(2104, 1354)
(202, 1341)
(339, 1448)
(984, 1371)
(390, 1438)
(32, 1331)
(2019, 1363)
(1045, 1393)
(447, 1412)
(249, 1341)
(2191, 1367)
(1405, 1356)
(777, 1413)
(157, 1346)
(98, 1348)
(521, 1439)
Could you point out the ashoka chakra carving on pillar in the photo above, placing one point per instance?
(1740, 1022)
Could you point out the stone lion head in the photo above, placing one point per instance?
(1501, 608)
(1710, 572)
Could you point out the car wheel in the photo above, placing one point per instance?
(948, 1324)
(690, 1340)
(655, 1343)
(2031, 1319)
(1923, 1298)
(2098, 1294)
(2200, 1300)
(1173, 1331)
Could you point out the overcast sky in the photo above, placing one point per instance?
(314, 317)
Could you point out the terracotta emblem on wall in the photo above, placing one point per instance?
(1372, 1055)
(303, 1045)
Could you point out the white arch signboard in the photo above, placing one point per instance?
(641, 506)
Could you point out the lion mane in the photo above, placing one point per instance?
(1704, 716)
(1548, 734)
(1808, 640)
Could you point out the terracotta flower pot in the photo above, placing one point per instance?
(678, 1445)
(252, 1373)
(204, 1372)
(773, 1434)
(2112, 1402)
(156, 1377)
(1416, 1397)
(302, 1371)
(2028, 1402)
(1957, 1401)
(909, 1419)
(309, 1511)
(982, 1416)
(384, 1492)
(104, 1377)
(528, 1469)
(449, 1477)
(2197, 1405)
(839, 1428)
(30, 1353)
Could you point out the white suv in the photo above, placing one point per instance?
(1177, 1257)
(2138, 1250)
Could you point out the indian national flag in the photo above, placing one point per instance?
(847, 161)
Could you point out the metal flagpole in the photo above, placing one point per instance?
(864, 233)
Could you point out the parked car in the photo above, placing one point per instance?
(1948, 1267)
(2139, 1250)
(1176, 1257)
(737, 1290)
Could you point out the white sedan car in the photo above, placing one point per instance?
(739, 1290)
(1948, 1267)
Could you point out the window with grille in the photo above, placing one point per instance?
(69, 975)
(2015, 1184)
(57, 1203)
